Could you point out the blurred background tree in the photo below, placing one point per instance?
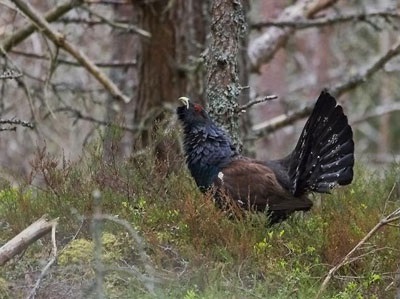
(152, 52)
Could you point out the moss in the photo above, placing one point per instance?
(79, 251)
(4, 289)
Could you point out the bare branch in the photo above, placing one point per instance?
(10, 74)
(61, 41)
(50, 16)
(90, 22)
(348, 84)
(263, 48)
(127, 27)
(327, 21)
(79, 115)
(243, 108)
(18, 122)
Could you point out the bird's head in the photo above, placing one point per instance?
(192, 114)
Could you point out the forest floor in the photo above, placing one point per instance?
(162, 238)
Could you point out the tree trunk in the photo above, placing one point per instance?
(124, 43)
(169, 64)
(223, 88)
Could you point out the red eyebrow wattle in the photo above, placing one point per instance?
(198, 108)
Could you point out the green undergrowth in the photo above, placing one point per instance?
(164, 239)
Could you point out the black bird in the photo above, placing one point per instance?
(322, 159)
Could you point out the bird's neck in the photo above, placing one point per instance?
(208, 150)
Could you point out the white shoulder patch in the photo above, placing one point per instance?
(221, 176)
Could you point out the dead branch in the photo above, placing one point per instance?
(89, 22)
(243, 108)
(127, 27)
(263, 48)
(330, 20)
(52, 15)
(80, 116)
(348, 84)
(10, 74)
(25, 238)
(18, 122)
(33, 292)
(392, 217)
(61, 41)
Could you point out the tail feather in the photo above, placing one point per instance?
(324, 154)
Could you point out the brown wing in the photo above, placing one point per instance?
(254, 186)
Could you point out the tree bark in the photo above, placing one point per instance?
(223, 88)
(169, 64)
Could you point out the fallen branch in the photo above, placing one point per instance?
(25, 238)
(392, 217)
(350, 83)
(263, 48)
(61, 41)
(50, 16)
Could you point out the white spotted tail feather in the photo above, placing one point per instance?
(324, 154)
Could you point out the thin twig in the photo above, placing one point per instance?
(79, 115)
(18, 122)
(89, 22)
(392, 217)
(10, 74)
(61, 41)
(327, 21)
(127, 27)
(243, 108)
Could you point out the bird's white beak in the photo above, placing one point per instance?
(185, 101)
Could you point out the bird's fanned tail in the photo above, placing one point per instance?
(324, 154)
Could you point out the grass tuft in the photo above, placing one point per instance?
(195, 250)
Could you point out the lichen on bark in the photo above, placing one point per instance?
(228, 26)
